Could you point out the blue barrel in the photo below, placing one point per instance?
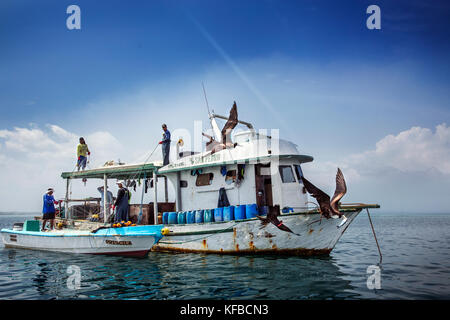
(173, 217)
(218, 214)
(190, 217)
(251, 211)
(208, 215)
(181, 218)
(264, 210)
(228, 213)
(165, 217)
(239, 212)
(198, 216)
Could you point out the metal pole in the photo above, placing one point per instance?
(142, 199)
(155, 201)
(166, 193)
(105, 195)
(375, 236)
(66, 202)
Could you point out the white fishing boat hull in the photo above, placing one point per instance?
(127, 241)
(247, 236)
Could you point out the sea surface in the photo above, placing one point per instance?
(416, 265)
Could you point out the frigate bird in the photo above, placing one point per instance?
(272, 218)
(226, 142)
(327, 208)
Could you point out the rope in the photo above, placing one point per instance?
(374, 235)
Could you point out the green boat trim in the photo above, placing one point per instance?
(118, 172)
(345, 208)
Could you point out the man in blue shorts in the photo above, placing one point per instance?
(48, 209)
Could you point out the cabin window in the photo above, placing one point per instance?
(286, 174)
(298, 172)
(183, 184)
(204, 179)
(230, 176)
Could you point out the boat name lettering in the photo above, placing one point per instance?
(120, 243)
(196, 161)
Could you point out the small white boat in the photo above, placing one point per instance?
(126, 241)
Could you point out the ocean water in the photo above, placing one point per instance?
(416, 265)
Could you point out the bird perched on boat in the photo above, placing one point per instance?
(272, 218)
(231, 123)
(329, 208)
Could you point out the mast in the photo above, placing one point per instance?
(214, 126)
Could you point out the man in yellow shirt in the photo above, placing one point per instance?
(82, 152)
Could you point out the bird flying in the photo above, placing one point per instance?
(272, 218)
(328, 208)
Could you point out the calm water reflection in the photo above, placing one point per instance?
(415, 265)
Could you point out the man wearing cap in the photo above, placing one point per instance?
(109, 201)
(165, 142)
(121, 205)
(48, 209)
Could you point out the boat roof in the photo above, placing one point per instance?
(138, 171)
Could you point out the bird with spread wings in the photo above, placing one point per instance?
(226, 142)
(328, 208)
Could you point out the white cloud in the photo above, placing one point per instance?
(32, 160)
(414, 150)
(406, 171)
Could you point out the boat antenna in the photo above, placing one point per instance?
(206, 99)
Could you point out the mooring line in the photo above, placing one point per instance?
(375, 236)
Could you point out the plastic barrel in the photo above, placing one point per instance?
(190, 217)
(228, 213)
(208, 215)
(165, 218)
(181, 218)
(198, 216)
(251, 211)
(264, 210)
(173, 218)
(218, 214)
(239, 212)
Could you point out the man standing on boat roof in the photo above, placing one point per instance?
(82, 152)
(48, 209)
(165, 142)
(122, 205)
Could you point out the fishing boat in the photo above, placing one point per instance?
(221, 196)
(127, 241)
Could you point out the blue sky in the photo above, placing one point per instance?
(310, 68)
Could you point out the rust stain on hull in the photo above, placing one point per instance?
(273, 251)
(310, 231)
(251, 246)
(205, 246)
(268, 235)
